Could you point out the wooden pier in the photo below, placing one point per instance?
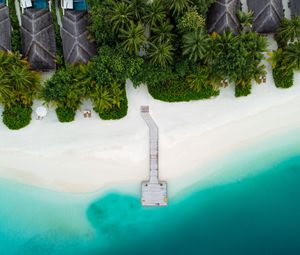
(154, 192)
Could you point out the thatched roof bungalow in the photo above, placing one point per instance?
(5, 28)
(38, 38)
(222, 16)
(76, 45)
(267, 15)
(295, 8)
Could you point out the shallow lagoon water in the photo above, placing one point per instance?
(257, 213)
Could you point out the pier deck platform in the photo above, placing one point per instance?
(154, 191)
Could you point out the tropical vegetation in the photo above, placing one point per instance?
(286, 59)
(163, 44)
(19, 86)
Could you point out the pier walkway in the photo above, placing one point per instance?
(154, 192)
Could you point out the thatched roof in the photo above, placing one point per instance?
(222, 16)
(295, 8)
(5, 28)
(76, 45)
(38, 39)
(267, 15)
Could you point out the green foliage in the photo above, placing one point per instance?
(196, 45)
(68, 87)
(190, 21)
(16, 35)
(65, 114)
(99, 24)
(288, 32)
(133, 38)
(112, 65)
(109, 71)
(162, 33)
(16, 117)
(283, 78)
(178, 6)
(174, 85)
(59, 47)
(246, 19)
(199, 78)
(291, 56)
(115, 112)
(155, 13)
(203, 6)
(161, 53)
(18, 84)
(243, 89)
(120, 15)
(137, 8)
(238, 58)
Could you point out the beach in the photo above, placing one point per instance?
(91, 154)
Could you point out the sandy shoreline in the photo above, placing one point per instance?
(90, 154)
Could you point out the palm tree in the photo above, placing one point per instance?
(291, 56)
(155, 13)
(161, 53)
(102, 99)
(288, 32)
(195, 45)
(178, 6)
(275, 57)
(118, 96)
(120, 15)
(246, 20)
(199, 79)
(137, 8)
(133, 38)
(162, 33)
(5, 88)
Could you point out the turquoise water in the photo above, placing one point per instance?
(257, 213)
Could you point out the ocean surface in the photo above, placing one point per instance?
(254, 209)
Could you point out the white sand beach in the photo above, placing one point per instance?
(90, 154)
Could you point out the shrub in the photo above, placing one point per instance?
(16, 117)
(190, 21)
(65, 114)
(242, 90)
(178, 91)
(68, 86)
(18, 84)
(115, 113)
(283, 78)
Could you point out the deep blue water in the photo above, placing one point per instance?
(257, 214)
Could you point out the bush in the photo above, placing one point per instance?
(178, 91)
(65, 114)
(68, 87)
(115, 113)
(242, 90)
(16, 117)
(283, 78)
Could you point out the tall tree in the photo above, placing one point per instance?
(133, 38)
(162, 33)
(195, 45)
(120, 15)
(178, 6)
(161, 53)
(137, 8)
(155, 13)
